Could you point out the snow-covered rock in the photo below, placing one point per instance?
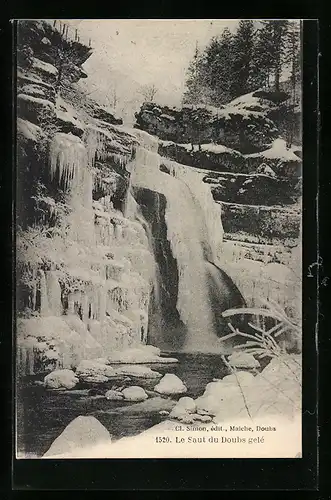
(114, 395)
(221, 394)
(243, 360)
(134, 393)
(185, 411)
(80, 433)
(275, 391)
(137, 371)
(187, 404)
(170, 384)
(59, 379)
(92, 368)
(139, 355)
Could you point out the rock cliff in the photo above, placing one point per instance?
(83, 268)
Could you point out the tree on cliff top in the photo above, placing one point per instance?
(243, 46)
(196, 83)
(235, 64)
(148, 92)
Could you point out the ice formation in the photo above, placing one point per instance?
(101, 273)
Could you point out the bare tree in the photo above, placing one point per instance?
(112, 98)
(148, 92)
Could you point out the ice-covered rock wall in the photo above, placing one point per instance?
(91, 285)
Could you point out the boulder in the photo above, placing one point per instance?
(114, 395)
(134, 393)
(82, 432)
(282, 159)
(243, 360)
(61, 379)
(170, 384)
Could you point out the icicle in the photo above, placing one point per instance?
(44, 307)
(53, 293)
(68, 157)
(85, 308)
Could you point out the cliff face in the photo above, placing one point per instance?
(249, 165)
(84, 270)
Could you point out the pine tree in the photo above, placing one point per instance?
(243, 44)
(194, 83)
(218, 63)
(275, 33)
(293, 59)
(261, 65)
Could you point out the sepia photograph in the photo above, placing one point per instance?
(158, 238)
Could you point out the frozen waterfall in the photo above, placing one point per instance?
(194, 232)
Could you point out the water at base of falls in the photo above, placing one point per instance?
(56, 409)
(187, 235)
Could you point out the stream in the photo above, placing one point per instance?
(45, 413)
